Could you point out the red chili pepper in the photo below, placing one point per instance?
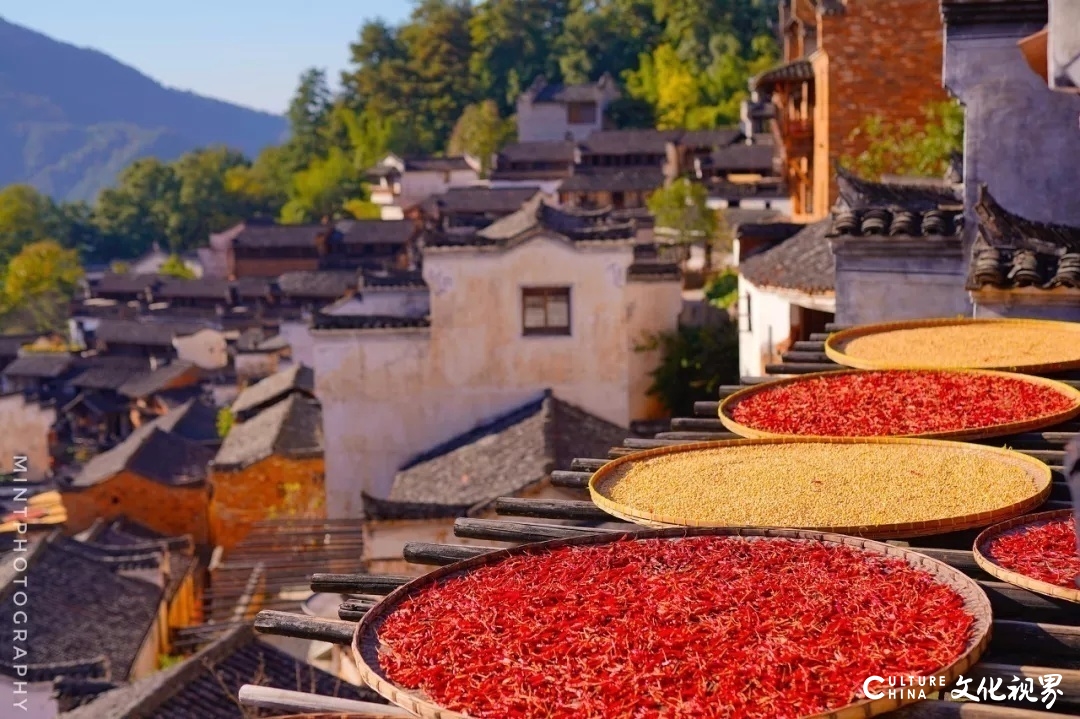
(1045, 551)
(699, 627)
(896, 402)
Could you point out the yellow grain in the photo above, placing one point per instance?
(976, 345)
(819, 485)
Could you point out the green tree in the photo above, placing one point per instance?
(515, 42)
(908, 147)
(308, 114)
(694, 362)
(682, 213)
(321, 190)
(140, 210)
(481, 132)
(225, 421)
(174, 266)
(605, 36)
(25, 216)
(38, 283)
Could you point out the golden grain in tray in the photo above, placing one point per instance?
(1025, 345)
(873, 488)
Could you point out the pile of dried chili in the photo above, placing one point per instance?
(895, 403)
(1045, 551)
(695, 627)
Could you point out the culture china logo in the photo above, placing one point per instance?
(1041, 690)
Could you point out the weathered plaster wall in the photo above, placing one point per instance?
(764, 325)
(545, 121)
(301, 344)
(255, 365)
(24, 430)
(206, 349)
(1021, 138)
(650, 307)
(389, 395)
(1030, 303)
(892, 280)
(274, 488)
(172, 511)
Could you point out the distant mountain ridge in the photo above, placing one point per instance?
(72, 118)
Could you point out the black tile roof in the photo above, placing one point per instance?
(794, 71)
(87, 618)
(908, 209)
(376, 232)
(319, 284)
(896, 222)
(629, 142)
(205, 686)
(480, 200)
(701, 139)
(503, 456)
(859, 194)
(145, 334)
(152, 451)
(147, 383)
(623, 179)
(436, 164)
(994, 12)
(323, 321)
(1013, 252)
(276, 387)
(291, 428)
(402, 279)
(543, 91)
(40, 365)
(271, 235)
(125, 283)
(803, 263)
(546, 151)
(202, 288)
(759, 157)
(108, 373)
(537, 215)
(125, 539)
(12, 343)
(195, 420)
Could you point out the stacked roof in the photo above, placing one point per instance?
(803, 263)
(262, 394)
(290, 428)
(907, 209)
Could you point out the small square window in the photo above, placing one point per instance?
(545, 310)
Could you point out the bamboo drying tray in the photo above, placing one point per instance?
(1038, 472)
(836, 343)
(998, 430)
(1016, 578)
(365, 646)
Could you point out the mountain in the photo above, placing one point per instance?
(71, 118)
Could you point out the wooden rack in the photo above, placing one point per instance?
(1032, 635)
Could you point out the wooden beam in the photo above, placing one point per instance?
(1051, 640)
(498, 530)
(441, 554)
(287, 624)
(284, 701)
(552, 509)
(377, 584)
(353, 610)
(933, 709)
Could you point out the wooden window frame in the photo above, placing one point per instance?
(547, 330)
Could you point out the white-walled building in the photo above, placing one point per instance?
(547, 111)
(403, 183)
(540, 299)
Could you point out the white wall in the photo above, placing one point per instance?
(301, 344)
(24, 430)
(388, 395)
(542, 122)
(398, 303)
(206, 349)
(769, 325)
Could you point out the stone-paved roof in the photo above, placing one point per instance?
(40, 365)
(1013, 252)
(614, 179)
(500, 457)
(794, 71)
(152, 451)
(85, 617)
(205, 686)
(146, 334)
(321, 284)
(536, 215)
(298, 378)
(148, 383)
(479, 200)
(803, 263)
(376, 232)
(291, 428)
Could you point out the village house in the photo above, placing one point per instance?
(465, 210)
(258, 248)
(206, 684)
(844, 62)
(25, 427)
(100, 612)
(150, 262)
(402, 183)
(511, 311)
(512, 455)
(544, 164)
(270, 464)
(548, 111)
(258, 355)
(156, 477)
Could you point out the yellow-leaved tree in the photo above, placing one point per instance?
(38, 284)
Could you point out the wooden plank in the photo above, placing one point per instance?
(572, 480)
(497, 530)
(819, 336)
(551, 509)
(377, 584)
(1011, 602)
(287, 624)
(801, 368)
(805, 346)
(284, 701)
(705, 409)
(1070, 678)
(353, 610)
(587, 465)
(934, 709)
(802, 356)
(441, 554)
(1051, 640)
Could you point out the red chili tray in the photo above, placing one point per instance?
(984, 560)
(369, 657)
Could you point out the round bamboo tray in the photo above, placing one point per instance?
(1038, 472)
(836, 343)
(999, 430)
(992, 568)
(366, 646)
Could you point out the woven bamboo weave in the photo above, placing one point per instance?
(982, 556)
(1038, 472)
(366, 646)
(999, 430)
(836, 343)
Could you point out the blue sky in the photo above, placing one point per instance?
(245, 51)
